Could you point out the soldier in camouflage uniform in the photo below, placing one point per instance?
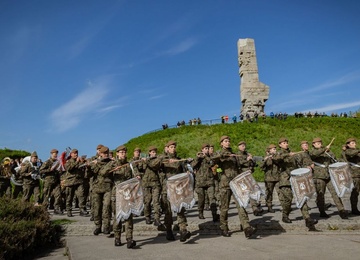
(226, 160)
(74, 179)
(286, 162)
(245, 162)
(152, 186)
(102, 188)
(216, 176)
(52, 181)
(171, 166)
(205, 181)
(122, 173)
(352, 156)
(30, 174)
(272, 177)
(322, 158)
(5, 175)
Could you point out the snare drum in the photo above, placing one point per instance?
(341, 178)
(302, 185)
(180, 191)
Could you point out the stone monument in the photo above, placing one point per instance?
(253, 93)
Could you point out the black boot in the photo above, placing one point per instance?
(286, 219)
(148, 221)
(201, 215)
(170, 235)
(161, 227)
(184, 235)
(257, 212)
(310, 224)
(106, 231)
(157, 222)
(97, 231)
(343, 214)
(249, 231)
(323, 214)
(327, 205)
(130, 243)
(216, 217)
(270, 209)
(354, 211)
(225, 233)
(117, 241)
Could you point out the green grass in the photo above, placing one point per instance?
(257, 135)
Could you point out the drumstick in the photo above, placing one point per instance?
(331, 141)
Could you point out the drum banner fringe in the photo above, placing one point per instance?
(244, 187)
(302, 185)
(341, 178)
(129, 199)
(180, 191)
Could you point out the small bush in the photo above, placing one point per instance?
(25, 230)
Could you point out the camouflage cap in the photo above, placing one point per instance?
(99, 146)
(34, 154)
(271, 146)
(137, 149)
(317, 139)
(104, 149)
(170, 143)
(152, 148)
(223, 138)
(121, 148)
(283, 139)
(241, 142)
(304, 142)
(54, 151)
(205, 145)
(350, 140)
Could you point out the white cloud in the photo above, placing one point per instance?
(157, 97)
(334, 107)
(181, 47)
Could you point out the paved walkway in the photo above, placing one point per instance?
(268, 224)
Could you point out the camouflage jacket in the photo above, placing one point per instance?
(74, 173)
(321, 162)
(5, 172)
(103, 177)
(122, 174)
(271, 170)
(303, 159)
(51, 175)
(170, 169)
(286, 164)
(26, 169)
(243, 163)
(151, 168)
(204, 175)
(228, 165)
(353, 157)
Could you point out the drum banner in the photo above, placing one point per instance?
(341, 178)
(180, 191)
(129, 199)
(244, 187)
(302, 185)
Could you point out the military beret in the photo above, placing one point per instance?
(99, 146)
(152, 148)
(317, 139)
(54, 151)
(205, 145)
(304, 142)
(271, 146)
(350, 140)
(241, 142)
(121, 148)
(223, 138)
(104, 149)
(211, 145)
(74, 151)
(34, 154)
(137, 149)
(283, 139)
(171, 143)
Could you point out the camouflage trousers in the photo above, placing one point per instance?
(102, 209)
(129, 227)
(152, 195)
(270, 186)
(71, 191)
(52, 189)
(287, 196)
(29, 190)
(5, 188)
(320, 186)
(203, 193)
(224, 210)
(168, 219)
(354, 197)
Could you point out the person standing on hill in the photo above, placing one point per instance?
(322, 158)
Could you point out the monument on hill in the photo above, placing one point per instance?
(253, 93)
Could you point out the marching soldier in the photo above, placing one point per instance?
(123, 173)
(352, 156)
(286, 162)
(152, 186)
(172, 166)
(30, 174)
(52, 181)
(272, 177)
(102, 187)
(74, 179)
(228, 163)
(205, 181)
(322, 158)
(5, 175)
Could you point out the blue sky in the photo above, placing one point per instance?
(80, 73)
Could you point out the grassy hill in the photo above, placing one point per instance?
(257, 135)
